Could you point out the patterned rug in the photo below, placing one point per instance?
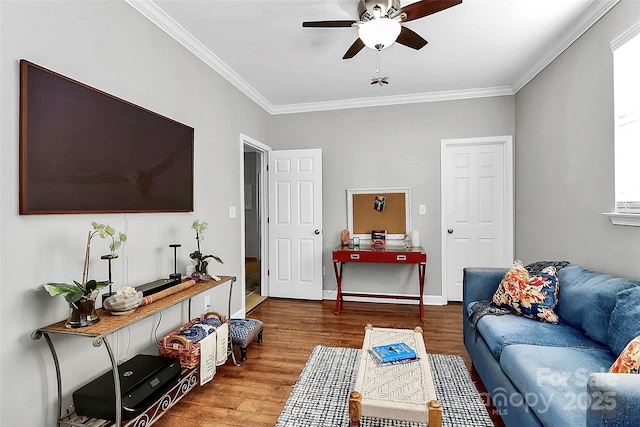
(321, 394)
(252, 276)
(252, 284)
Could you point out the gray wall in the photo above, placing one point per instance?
(108, 45)
(564, 157)
(383, 147)
(562, 122)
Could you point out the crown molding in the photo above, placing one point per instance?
(597, 10)
(625, 37)
(394, 100)
(167, 24)
(157, 16)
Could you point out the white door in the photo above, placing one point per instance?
(477, 207)
(295, 224)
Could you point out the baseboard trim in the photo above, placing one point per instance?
(427, 299)
(240, 314)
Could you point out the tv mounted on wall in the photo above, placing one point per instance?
(85, 151)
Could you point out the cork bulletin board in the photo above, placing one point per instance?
(379, 209)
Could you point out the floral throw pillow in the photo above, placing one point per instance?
(531, 296)
(629, 360)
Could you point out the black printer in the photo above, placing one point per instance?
(143, 379)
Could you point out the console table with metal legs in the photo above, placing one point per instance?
(109, 324)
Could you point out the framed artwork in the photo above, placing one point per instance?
(386, 209)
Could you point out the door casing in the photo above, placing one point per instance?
(255, 145)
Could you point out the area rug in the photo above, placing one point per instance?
(252, 284)
(252, 276)
(321, 394)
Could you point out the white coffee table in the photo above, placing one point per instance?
(401, 391)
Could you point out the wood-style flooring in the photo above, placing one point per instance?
(252, 300)
(254, 393)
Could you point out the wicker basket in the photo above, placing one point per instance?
(178, 347)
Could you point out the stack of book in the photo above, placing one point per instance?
(393, 353)
(378, 237)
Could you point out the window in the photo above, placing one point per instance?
(626, 74)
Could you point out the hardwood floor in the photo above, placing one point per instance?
(253, 300)
(254, 393)
(252, 284)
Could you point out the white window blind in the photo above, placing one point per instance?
(626, 62)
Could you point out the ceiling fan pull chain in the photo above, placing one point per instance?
(379, 80)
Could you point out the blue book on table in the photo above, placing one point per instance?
(393, 352)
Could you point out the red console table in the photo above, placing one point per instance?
(388, 255)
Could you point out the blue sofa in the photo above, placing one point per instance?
(547, 374)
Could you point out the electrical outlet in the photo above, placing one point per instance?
(207, 302)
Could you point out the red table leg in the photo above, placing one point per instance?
(422, 267)
(338, 272)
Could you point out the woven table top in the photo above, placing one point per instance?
(399, 391)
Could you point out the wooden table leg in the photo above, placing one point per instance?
(337, 268)
(422, 267)
(355, 407)
(435, 414)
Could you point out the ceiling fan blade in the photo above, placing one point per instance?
(328, 24)
(424, 8)
(411, 39)
(354, 49)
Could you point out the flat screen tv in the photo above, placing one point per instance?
(85, 151)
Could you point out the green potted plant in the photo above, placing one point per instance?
(81, 295)
(199, 259)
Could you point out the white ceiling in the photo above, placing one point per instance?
(478, 48)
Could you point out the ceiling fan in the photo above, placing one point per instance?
(380, 23)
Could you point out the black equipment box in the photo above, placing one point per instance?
(143, 379)
(158, 285)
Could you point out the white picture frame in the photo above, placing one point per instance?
(374, 192)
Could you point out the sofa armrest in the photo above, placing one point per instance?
(480, 283)
(613, 399)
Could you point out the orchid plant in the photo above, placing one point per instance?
(197, 256)
(76, 291)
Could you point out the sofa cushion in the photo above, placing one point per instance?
(553, 380)
(502, 331)
(628, 362)
(625, 319)
(533, 296)
(587, 298)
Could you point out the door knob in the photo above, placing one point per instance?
(450, 231)
(316, 231)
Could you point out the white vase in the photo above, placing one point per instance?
(415, 238)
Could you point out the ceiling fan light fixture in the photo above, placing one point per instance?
(379, 33)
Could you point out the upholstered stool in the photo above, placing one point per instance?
(242, 332)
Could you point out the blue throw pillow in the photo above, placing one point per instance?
(625, 319)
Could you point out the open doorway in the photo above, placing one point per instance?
(255, 252)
